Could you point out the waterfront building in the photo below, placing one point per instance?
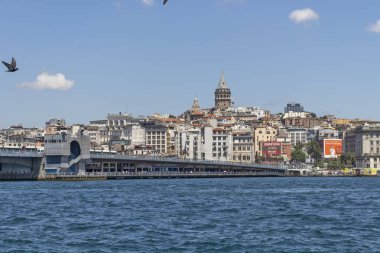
(206, 147)
(195, 142)
(243, 148)
(187, 142)
(205, 142)
(156, 136)
(221, 144)
(222, 95)
(364, 142)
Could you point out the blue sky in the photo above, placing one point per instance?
(104, 56)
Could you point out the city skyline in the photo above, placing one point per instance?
(80, 61)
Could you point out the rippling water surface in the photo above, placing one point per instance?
(191, 215)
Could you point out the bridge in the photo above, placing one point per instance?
(117, 165)
(70, 157)
(20, 164)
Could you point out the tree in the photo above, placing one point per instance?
(347, 159)
(313, 115)
(297, 154)
(334, 164)
(314, 150)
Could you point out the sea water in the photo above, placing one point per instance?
(192, 215)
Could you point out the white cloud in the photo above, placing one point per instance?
(45, 81)
(148, 2)
(375, 27)
(303, 15)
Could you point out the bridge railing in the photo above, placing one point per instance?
(20, 153)
(184, 160)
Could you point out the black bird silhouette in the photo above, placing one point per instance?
(165, 1)
(11, 67)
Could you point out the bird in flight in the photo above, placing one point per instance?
(11, 67)
(165, 1)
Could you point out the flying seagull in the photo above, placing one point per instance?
(165, 1)
(11, 67)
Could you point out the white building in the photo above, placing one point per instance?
(364, 142)
(292, 114)
(297, 135)
(222, 144)
(135, 134)
(187, 143)
(254, 111)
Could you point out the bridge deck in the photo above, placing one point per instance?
(119, 157)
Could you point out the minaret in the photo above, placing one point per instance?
(222, 95)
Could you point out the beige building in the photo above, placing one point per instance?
(263, 134)
(243, 148)
(364, 142)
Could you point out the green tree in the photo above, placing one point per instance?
(347, 159)
(334, 164)
(297, 154)
(314, 150)
(313, 115)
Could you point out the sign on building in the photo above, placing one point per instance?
(271, 148)
(332, 148)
